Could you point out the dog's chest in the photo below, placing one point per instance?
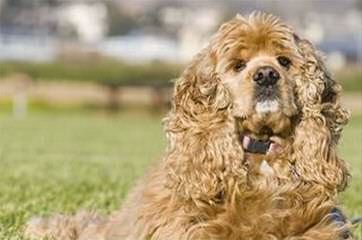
(265, 168)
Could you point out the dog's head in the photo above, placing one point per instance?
(256, 77)
(259, 63)
(259, 68)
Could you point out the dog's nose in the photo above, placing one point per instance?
(266, 76)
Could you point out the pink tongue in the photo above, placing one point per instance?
(246, 141)
(273, 147)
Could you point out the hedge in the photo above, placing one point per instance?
(105, 72)
(351, 79)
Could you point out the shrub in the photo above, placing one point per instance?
(105, 72)
(351, 79)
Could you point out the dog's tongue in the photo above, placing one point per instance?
(274, 147)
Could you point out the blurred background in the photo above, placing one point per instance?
(84, 85)
(112, 53)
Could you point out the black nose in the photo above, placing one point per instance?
(266, 76)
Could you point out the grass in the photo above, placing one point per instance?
(350, 149)
(63, 161)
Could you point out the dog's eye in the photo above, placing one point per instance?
(284, 61)
(239, 65)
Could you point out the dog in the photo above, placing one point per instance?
(252, 136)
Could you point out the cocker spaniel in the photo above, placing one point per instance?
(252, 136)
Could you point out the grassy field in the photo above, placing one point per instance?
(63, 161)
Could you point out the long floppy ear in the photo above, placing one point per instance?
(322, 120)
(203, 149)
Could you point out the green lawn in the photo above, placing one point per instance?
(63, 161)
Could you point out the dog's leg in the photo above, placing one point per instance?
(324, 233)
(334, 226)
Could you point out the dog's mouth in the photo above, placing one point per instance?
(260, 135)
(255, 142)
(270, 117)
(258, 146)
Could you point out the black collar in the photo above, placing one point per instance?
(253, 145)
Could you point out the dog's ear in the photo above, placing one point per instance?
(199, 90)
(322, 120)
(203, 144)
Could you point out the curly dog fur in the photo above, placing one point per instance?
(208, 186)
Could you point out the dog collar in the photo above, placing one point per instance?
(253, 145)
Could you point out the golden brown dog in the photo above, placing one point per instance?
(251, 154)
